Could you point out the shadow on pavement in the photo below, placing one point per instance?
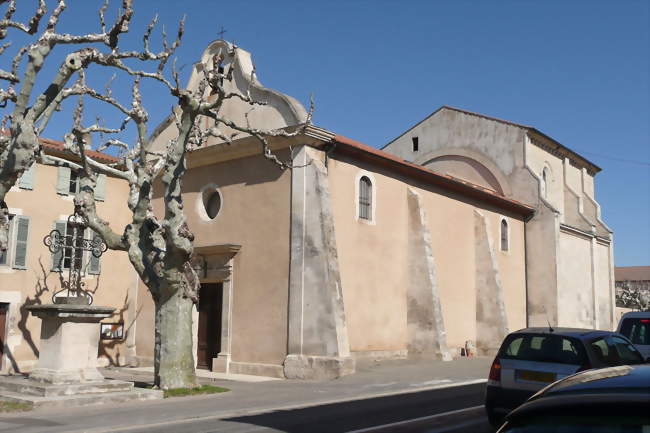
(359, 414)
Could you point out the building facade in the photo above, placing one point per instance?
(30, 274)
(460, 230)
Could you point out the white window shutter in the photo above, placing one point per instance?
(57, 258)
(63, 181)
(26, 181)
(20, 247)
(100, 188)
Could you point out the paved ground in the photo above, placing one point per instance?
(430, 386)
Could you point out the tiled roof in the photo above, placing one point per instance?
(444, 180)
(56, 145)
(632, 273)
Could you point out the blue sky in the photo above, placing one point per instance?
(578, 71)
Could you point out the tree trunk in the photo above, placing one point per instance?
(174, 357)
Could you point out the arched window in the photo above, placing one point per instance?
(544, 185)
(504, 235)
(365, 198)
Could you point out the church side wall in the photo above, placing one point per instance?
(604, 291)
(372, 258)
(255, 197)
(36, 284)
(374, 262)
(537, 159)
(575, 292)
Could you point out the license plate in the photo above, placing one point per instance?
(536, 376)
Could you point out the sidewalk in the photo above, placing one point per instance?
(373, 379)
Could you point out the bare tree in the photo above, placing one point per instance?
(159, 247)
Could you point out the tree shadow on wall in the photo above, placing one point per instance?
(41, 289)
(108, 346)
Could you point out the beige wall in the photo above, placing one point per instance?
(254, 214)
(374, 267)
(537, 159)
(575, 293)
(605, 295)
(37, 284)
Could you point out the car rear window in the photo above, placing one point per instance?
(637, 330)
(543, 348)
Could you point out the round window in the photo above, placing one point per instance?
(212, 203)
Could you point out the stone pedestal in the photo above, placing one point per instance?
(66, 374)
(69, 342)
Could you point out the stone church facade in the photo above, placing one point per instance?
(460, 230)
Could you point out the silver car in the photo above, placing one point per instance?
(531, 358)
(636, 327)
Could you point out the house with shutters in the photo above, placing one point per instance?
(41, 201)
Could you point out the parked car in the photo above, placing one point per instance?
(608, 400)
(636, 327)
(531, 358)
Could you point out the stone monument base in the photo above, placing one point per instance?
(66, 373)
(42, 394)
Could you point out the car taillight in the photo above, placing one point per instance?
(645, 320)
(495, 370)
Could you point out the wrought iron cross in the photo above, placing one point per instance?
(72, 245)
(221, 32)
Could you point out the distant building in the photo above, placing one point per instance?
(632, 277)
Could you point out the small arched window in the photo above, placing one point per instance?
(504, 235)
(365, 198)
(544, 186)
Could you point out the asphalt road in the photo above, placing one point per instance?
(366, 415)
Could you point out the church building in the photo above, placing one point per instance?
(463, 228)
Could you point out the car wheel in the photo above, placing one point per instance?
(494, 418)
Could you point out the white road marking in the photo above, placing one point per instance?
(379, 385)
(422, 418)
(431, 382)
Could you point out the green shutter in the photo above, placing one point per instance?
(26, 181)
(20, 247)
(100, 188)
(63, 181)
(57, 258)
(94, 266)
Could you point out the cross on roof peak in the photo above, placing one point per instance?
(221, 32)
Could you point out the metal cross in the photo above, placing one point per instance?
(72, 246)
(221, 32)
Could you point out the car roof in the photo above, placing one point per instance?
(635, 314)
(565, 332)
(610, 379)
(624, 384)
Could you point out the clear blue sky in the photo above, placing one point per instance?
(576, 70)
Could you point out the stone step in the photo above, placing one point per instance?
(136, 394)
(22, 385)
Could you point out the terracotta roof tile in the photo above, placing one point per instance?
(632, 273)
(57, 145)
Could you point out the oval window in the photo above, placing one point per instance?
(212, 203)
